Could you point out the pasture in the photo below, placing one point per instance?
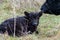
(48, 28)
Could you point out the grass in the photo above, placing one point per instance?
(47, 23)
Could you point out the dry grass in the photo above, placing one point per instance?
(47, 25)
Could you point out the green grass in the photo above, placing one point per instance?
(46, 23)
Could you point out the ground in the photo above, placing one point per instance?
(49, 25)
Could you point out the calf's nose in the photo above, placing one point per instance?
(34, 24)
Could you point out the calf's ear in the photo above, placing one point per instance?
(26, 13)
(40, 13)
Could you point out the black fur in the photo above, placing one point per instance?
(24, 25)
(51, 7)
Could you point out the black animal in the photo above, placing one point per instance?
(24, 25)
(33, 21)
(51, 7)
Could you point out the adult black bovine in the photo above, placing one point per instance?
(51, 7)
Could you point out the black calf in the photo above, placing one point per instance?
(8, 25)
(33, 20)
(24, 25)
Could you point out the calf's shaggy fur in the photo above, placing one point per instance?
(24, 25)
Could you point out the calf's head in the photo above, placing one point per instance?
(33, 18)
